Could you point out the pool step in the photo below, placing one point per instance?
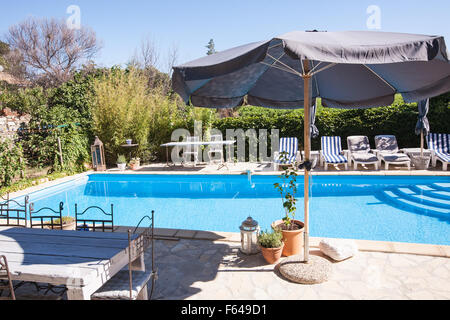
(428, 198)
(398, 200)
(427, 190)
(443, 186)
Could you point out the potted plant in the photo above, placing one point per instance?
(291, 229)
(135, 163)
(121, 162)
(68, 223)
(271, 245)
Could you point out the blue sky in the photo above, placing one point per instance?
(188, 25)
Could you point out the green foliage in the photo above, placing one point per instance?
(270, 239)
(288, 190)
(24, 100)
(40, 141)
(77, 94)
(11, 163)
(29, 182)
(211, 47)
(122, 110)
(398, 119)
(126, 108)
(121, 159)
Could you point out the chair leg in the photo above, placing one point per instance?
(346, 166)
(444, 166)
(409, 165)
(355, 166)
(376, 165)
(143, 295)
(386, 166)
(326, 166)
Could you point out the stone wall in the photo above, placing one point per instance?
(10, 122)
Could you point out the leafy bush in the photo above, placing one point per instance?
(11, 163)
(126, 108)
(270, 239)
(24, 100)
(40, 140)
(398, 119)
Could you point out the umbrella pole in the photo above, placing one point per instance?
(421, 143)
(307, 147)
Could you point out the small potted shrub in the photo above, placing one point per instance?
(291, 229)
(271, 244)
(121, 162)
(68, 223)
(135, 163)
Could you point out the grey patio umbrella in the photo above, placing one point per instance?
(422, 126)
(352, 69)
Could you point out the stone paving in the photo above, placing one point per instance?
(200, 269)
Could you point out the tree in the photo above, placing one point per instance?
(211, 47)
(12, 62)
(50, 49)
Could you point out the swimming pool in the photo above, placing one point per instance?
(390, 208)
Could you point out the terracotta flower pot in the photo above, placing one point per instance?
(272, 255)
(293, 239)
(134, 166)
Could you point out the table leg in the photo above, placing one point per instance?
(78, 293)
(167, 156)
(138, 264)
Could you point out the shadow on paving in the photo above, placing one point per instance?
(183, 264)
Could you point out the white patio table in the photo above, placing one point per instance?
(81, 260)
(227, 143)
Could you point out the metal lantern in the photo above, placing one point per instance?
(98, 155)
(249, 236)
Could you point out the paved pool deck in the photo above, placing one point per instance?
(208, 265)
(204, 269)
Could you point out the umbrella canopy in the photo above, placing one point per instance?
(353, 69)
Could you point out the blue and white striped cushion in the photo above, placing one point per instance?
(331, 150)
(439, 142)
(443, 156)
(290, 146)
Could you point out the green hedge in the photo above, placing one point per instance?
(398, 119)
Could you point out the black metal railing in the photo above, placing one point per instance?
(91, 224)
(145, 240)
(12, 213)
(52, 220)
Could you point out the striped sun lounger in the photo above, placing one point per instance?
(439, 144)
(331, 152)
(288, 153)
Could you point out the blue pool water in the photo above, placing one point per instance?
(389, 208)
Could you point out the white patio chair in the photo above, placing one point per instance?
(439, 145)
(288, 153)
(360, 152)
(216, 149)
(191, 150)
(387, 151)
(331, 152)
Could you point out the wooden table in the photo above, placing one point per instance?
(81, 260)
